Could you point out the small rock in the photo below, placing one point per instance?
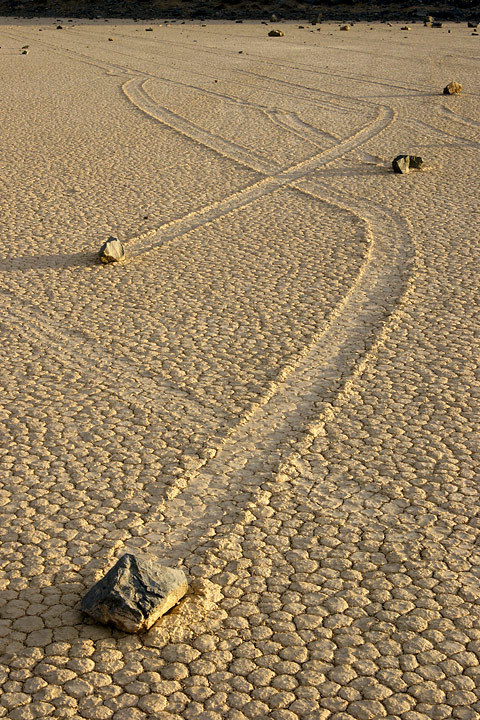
(345, 27)
(148, 29)
(405, 27)
(437, 25)
(428, 24)
(273, 18)
(471, 24)
(134, 593)
(112, 251)
(429, 19)
(24, 52)
(25, 47)
(452, 88)
(276, 33)
(59, 27)
(110, 39)
(401, 164)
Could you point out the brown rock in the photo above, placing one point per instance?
(452, 88)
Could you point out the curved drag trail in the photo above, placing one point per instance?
(134, 90)
(295, 407)
(292, 409)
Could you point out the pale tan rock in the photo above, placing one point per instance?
(452, 88)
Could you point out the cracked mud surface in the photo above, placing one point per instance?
(277, 390)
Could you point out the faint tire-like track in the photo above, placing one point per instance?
(284, 119)
(129, 384)
(452, 115)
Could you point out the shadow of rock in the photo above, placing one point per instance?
(49, 262)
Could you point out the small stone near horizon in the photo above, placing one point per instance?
(345, 27)
(452, 88)
(276, 33)
(134, 593)
(112, 251)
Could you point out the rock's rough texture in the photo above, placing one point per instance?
(276, 33)
(112, 251)
(401, 164)
(452, 88)
(134, 593)
(415, 161)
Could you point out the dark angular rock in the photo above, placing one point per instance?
(276, 33)
(112, 251)
(401, 164)
(134, 593)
